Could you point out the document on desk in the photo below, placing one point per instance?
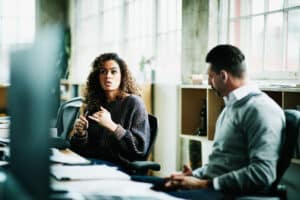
(67, 157)
(4, 131)
(84, 172)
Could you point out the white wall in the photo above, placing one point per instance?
(166, 109)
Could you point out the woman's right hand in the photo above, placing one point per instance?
(81, 126)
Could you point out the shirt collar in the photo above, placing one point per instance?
(240, 93)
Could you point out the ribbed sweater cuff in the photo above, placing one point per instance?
(120, 132)
(81, 139)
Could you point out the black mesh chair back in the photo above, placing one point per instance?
(142, 166)
(153, 134)
(289, 143)
(66, 116)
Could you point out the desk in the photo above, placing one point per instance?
(112, 187)
(122, 188)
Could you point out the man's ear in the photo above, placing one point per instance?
(224, 75)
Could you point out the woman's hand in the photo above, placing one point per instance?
(103, 118)
(81, 125)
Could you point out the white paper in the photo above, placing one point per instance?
(67, 157)
(81, 172)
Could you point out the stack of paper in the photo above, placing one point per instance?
(4, 127)
(83, 172)
(67, 157)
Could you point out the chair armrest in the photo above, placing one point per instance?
(145, 165)
(141, 167)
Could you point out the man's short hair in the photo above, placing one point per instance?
(227, 57)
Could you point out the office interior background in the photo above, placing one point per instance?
(164, 43)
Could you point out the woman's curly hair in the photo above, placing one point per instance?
(94, 94)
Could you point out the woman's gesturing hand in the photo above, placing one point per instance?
(81, 126)
(103, 118)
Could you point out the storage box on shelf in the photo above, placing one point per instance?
(192, 98)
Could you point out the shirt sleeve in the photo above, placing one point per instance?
(216, 184)
(199, 172)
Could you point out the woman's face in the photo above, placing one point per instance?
(110, 76)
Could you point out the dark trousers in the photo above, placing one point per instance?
(158, 184)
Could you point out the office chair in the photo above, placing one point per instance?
(66, 116)
(142, 166)
(288, 146)
(68, 112)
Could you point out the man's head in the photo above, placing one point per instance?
(227, 68)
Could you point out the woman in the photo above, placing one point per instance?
(113, 125)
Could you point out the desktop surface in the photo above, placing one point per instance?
(112, 184)
(95, 188)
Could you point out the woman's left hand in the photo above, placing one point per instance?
(103, 118)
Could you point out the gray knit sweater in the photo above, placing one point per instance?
(247, 143)
(129, 142)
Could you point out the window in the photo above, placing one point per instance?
(17, 28)
(268, 32)
(146, 33)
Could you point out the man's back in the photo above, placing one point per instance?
(247, 141)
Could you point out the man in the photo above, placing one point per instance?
(247, 136)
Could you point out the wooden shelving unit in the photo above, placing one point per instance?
(191, 98)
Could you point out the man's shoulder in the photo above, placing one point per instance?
(261, 106)
(264, 101)
(257, 99)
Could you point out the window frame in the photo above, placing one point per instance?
(225, 20)
(12, 35)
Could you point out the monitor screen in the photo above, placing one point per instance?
(31, 106)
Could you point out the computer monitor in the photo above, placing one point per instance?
(31, 106)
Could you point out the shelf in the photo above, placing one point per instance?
(296, 161)
(196, 138)
(200, 86)
(281, 89)
(278, 88)
(191, 98)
